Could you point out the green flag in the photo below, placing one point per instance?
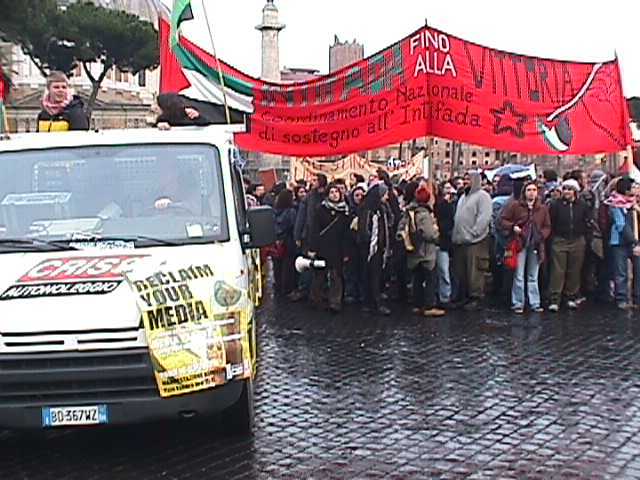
(181, 13)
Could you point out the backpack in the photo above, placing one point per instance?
(408, 232)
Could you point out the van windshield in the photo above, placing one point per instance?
(146, 195)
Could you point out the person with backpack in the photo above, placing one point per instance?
(419, 231)
(527, 221)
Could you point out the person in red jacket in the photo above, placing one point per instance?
(527, 220)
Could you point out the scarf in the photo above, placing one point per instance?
(53, 108)
(617, 200)
(375, 232)
(339, 207)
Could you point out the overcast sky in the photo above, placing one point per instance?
(587, 30)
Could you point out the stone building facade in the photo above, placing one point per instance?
(124, 99)
(342, 54)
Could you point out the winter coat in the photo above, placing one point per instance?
(210, 114)
(535, 224)
(473, 215)
(622, 227)
(424, 234)
(72, 117)
(371, 207)
(445, 212)
(306, 216)
(329, 237)
(285, 222)
(570, 220)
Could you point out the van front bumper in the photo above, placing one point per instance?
(122, 380)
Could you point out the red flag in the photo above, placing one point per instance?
(428, 84)
(4, 85)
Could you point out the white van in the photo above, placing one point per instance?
(129, 274)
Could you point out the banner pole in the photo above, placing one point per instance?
(220, 76)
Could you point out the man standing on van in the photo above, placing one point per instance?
(61, 110)
(471, 241)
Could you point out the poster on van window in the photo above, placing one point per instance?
(195, 343)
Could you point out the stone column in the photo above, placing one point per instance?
(270, 29)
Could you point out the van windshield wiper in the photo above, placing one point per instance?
(124, 238)
(36, 243)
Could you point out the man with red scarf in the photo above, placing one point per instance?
(61, 110)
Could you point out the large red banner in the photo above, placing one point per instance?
(434, 84)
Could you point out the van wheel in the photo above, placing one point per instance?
(240, 417)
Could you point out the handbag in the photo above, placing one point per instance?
(513, 248)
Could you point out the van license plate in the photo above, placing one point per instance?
(73, 416)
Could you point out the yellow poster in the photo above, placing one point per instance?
(194, 344)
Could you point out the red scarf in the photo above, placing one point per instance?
(617, 200)
(54, 108)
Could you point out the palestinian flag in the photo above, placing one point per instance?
(191, 71)
(4, 92)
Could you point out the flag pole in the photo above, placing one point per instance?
(221, 77)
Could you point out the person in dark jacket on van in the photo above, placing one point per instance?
(571, 221)
(61, 109)
(328, 241)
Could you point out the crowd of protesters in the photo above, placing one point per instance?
(550, 243)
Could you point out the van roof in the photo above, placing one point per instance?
(215, 134)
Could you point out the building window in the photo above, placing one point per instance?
(487, 154)
(118, 75)
(142, 78)
(486, 162)
(461, 163)
(474, 154)
(448, 154)
(474, 163)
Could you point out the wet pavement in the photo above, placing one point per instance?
(482, 395)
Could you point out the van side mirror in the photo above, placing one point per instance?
(262, 227)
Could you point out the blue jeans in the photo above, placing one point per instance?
(527, 260)
(621, 257)
(444, 277)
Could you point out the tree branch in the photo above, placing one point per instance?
(36, 62)
(87, 70)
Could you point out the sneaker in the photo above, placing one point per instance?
(416, 311)
(518, 310)
(580, 300)
(538, 310)
(384, 311)
(572, 305)
(434, 312)
(624, 306)
(554, 308)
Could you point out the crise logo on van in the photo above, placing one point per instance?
(57, 277)
(81, 268)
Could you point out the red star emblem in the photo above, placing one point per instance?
(508, 120)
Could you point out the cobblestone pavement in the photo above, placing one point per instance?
(477, 396)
